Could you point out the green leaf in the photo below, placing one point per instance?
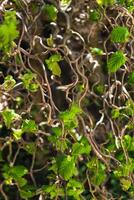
(29, 126)
(52, 190)
(106, 2)
(116, 61)
(51, 12)
(97, 51)
(64, 4)
(69, 117)
(30, 147)
(74, 188)
(9, 116)
(30, 81)
(95, 16)
(9, 83)
(98, 170)
(128, 142)
(115, 113)
(52, 64)
(27, 192)
(8, 31)
(15, 173)
(50, 41)
(120, 34)
(81, 147)
(125, 183)
(131, 78)
(66, 167)
(17, 133)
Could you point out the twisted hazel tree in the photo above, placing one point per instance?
(66, 100)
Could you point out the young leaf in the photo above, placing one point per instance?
(125, 183)
(94, 15)
(131, 78)
(8, 31)
(97, 51)
(66, 167)
(9, 83)
(29, 81)
(51, 12)
(73, 186)
(81, 147)
(116, 61)
(52, 64)
(17, 133)
(69, 117)
(64, 4)
(29, 126)
(9, 116)
(120, 34)
(15, 173)
(105, 2)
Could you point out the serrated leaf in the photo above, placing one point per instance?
(131, 78)
(66, 167)
(95, 16)
(29, 80)
(9, 83)
(8, 31)
(9, 116)
(81, 147)
(52, 64)
(125, 183)
(120, 34)
(51, 12)
(29, 126)
(116, 61)
(17, 133)
(69, 117)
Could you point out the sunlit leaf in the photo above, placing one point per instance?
(116, 61)
(120, 34)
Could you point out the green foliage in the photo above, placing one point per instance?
(94, 15)
(69, 117)
(17, 133)
(131, 78)
(73, 186)
(99, 89)
(51, 12)
(97, 51)
(29, 80)
(8, 31)
(52, 64)
(106, 2)
(9, 116)
(76, 138)
(98, 171)
(120, 34)
(27, 192)
(53, 191)
(66, 166)
(116, 61)
(125, 169)
(126, 184)
(29, 126)
(50, 41)
(15, 173)
(81, 147)
(128, 142)
(9, 83)
(64, 4)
